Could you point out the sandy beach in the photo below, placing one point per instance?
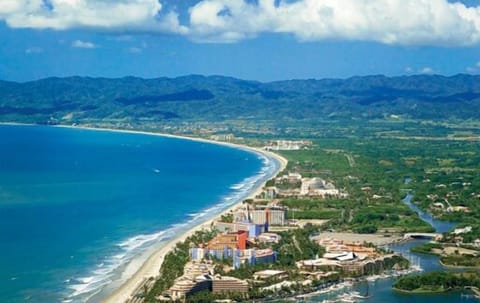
(151, 267)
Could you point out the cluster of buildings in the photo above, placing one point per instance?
(239, 257)
(287, 145)
(238, 240)
(335, 247)
(340, 256)
(266, 215)
(199, 276)
(459, 231)
(223, 137)
(294, 185)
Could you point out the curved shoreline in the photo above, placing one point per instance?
(457, 266)
(416, 291)
(131, 278)
(151, 266)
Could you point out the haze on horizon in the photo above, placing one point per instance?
(250, 39)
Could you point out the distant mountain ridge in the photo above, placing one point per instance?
(195, 97)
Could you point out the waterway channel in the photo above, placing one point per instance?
(380, 290)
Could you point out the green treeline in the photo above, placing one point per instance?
(427, 248)
(437, 281)
(461, 260)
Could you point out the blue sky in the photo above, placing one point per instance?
(251, 39)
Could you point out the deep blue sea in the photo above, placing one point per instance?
(77, 205)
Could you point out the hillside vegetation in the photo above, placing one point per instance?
(216, 98)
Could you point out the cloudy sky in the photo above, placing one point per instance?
(250, 39)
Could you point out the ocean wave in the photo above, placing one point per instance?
(140, 240)
(86, 280)
(83, 288)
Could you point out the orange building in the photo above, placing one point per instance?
(233, 240)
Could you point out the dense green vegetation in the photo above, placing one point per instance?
(134, 101)
(296, 245)
(369, 134)
(312, 208)
(461, 260)
(437, 281)
(456, 259)
(374, 181)
(427, 248)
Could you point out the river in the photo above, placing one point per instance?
(380, 291)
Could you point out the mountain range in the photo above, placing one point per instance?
(217, 98)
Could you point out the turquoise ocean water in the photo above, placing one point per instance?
(77, 205)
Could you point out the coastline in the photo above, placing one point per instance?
(152, 264)
(458, 266)
(151, 267)
(421, 291)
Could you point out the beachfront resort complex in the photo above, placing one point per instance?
(239, 151)
(247, 253)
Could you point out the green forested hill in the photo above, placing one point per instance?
(216, 98)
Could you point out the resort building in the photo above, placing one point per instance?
(269, 215)
(184, 287)
(270, 274)
(253, 230)
(348, 263)
(336, 247)
(223, 284)
(254, 256)
(459, 231)
(317, 275)
(463, 209)
(269, 238)
(265, 256)
(287, 145)
(195, 269)
(198, 254)
(223, 137)
(270, 192)
(265, 215)
(240, 256)
(290, 178)
(318, 187)
(199, 277)
(284, 284)
(232, 240)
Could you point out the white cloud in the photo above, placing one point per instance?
(396, 22)
(474, 69)
(471, 70)
(83, 44)
(66, 14)
(426, 70)
(34, 50)
(404, 22)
